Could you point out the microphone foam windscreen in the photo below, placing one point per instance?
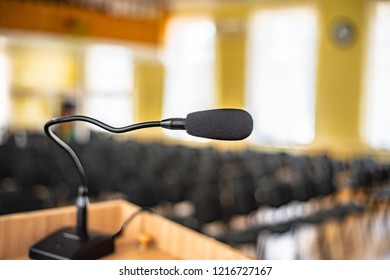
(220, 124)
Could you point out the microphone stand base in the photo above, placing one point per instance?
(66, 244)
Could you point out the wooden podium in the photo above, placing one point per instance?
(170, 240)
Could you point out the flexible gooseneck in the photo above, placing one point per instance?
(81, 243)
(219, 124)
(100, 124)
(82, 199)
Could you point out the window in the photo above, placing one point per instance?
(282, 53)
(4, 87)
(189, 63)
(377, 114)
(109, 84)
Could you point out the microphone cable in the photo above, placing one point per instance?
(131, 218)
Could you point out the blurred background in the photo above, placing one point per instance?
(311, 182)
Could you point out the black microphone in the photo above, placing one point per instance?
(81, 243)
(217, 124)
(220, 124)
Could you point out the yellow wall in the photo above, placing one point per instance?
(339, 78)
(40, 76)
(42, 68)
(148, 90)
(339, 69)
(46, 70)
(30, 113)
(148, 95)
(231, 70)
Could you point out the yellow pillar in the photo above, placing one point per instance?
(339, 77)
(148, 94)
(230, 69)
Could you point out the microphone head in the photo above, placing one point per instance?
(220, 124)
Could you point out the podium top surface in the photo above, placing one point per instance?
(170, 241)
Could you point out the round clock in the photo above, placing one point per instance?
(343, 32)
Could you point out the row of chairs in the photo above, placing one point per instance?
(218, 184)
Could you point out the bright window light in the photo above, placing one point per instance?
(377, 98)
(282, 55)
(109, 84)
(189, 62)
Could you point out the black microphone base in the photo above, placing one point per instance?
(65, 244)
